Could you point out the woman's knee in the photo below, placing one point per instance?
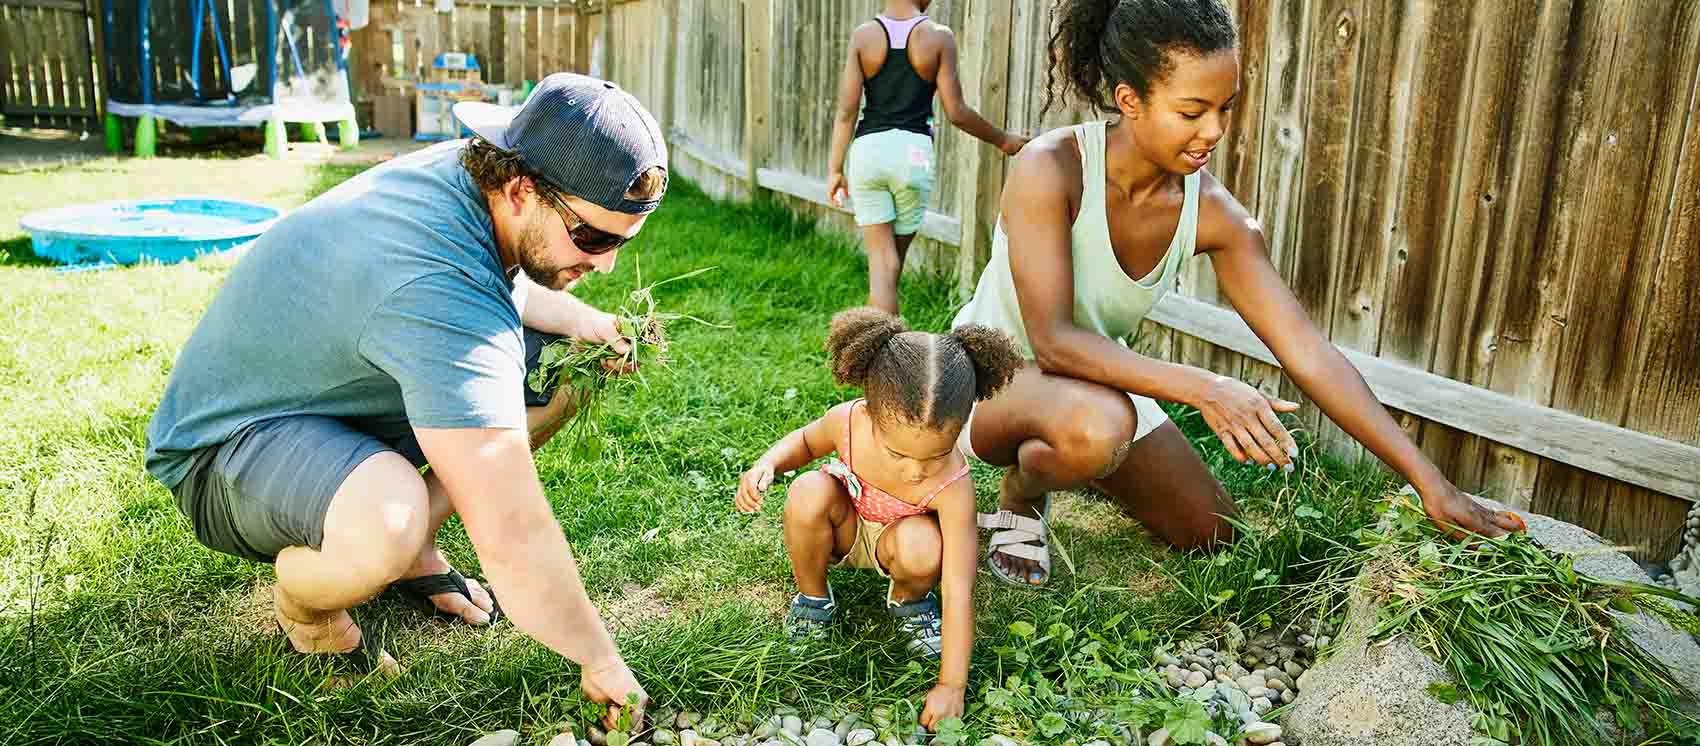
(916, 549)
(1094, 435)
(1202, 528)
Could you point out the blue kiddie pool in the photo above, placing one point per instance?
(130, 232)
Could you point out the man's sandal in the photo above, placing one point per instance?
(1018, 536)
(417, 592)
(363, 659)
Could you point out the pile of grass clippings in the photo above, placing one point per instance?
(589, 369)
(1532, 643)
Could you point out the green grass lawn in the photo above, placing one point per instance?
(115, 626)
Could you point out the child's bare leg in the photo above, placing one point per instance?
(820, 526)
(885, 264)
(912, 551)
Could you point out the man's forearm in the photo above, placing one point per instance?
(492, 483)
(839, 149)
(542, 592)
(553, 311)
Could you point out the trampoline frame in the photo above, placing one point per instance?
(149, 122)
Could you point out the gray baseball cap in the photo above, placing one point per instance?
(586, 136)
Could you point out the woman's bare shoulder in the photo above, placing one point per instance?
(1049, 163)
(1222, 220)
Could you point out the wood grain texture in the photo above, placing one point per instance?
(1668, 466)
(1490, 205)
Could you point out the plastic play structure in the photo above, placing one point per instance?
(247, 63)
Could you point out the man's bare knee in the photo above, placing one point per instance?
(380, 519)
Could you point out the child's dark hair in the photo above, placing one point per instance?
(930, 380)
(1099, 43)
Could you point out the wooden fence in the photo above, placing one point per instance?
(47, 63)
(1493, 207)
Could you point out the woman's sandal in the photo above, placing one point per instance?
(1018, 536)
(417, 592)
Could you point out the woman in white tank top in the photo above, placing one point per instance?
(1097, 220)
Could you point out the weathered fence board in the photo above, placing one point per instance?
(47, 62)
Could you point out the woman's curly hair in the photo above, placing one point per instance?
(1100, 43)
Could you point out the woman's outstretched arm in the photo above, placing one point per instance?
(1234, 242)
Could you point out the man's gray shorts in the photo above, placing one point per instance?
(269, 486)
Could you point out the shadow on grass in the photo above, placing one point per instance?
(17, 252)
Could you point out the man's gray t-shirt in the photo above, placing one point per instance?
(382, 302)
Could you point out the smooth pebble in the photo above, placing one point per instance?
(1263, 733)
(499, 738)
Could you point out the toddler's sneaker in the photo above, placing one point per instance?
(810, 618)
(923, 622)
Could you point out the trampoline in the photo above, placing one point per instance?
(228, 63)
(130, 232)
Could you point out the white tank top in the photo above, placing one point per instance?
(897, 32)
(1106, 300)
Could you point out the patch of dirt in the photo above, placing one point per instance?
(635, 606)
(251, 611)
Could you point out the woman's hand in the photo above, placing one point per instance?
(751, 486)
(943, 703)
(1452, 509)
(1244, 418)
(609, 682)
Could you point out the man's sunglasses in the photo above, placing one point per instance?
(588, 238)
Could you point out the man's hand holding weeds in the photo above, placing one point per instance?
(610, 682)
(604, 328)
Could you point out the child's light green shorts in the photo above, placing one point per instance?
(891, 177)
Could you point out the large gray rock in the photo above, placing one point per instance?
(1377, 694)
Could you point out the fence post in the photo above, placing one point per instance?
(984, 67)
(581, 40)
(670, 73)
(758, 81)
(608, 39)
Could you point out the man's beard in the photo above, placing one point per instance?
(532, 253)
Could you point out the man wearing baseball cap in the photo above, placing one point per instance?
(389, 324)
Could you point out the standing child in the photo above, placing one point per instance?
(900, 501)
(900, 59)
